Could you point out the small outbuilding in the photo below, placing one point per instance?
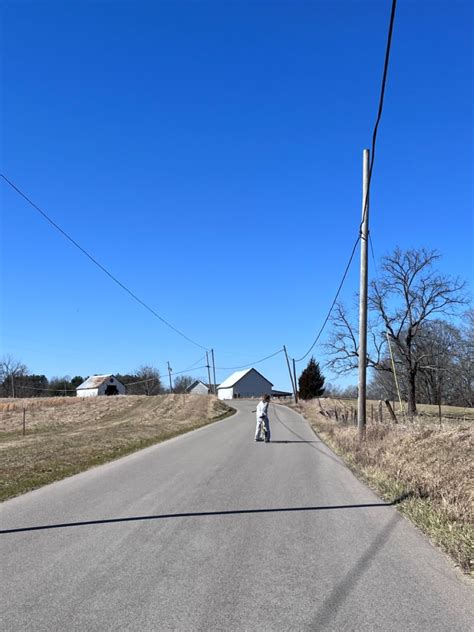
(100, 385)
(248, 383)
(198, 388)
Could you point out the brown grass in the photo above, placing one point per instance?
(65, 435)
(433, 464)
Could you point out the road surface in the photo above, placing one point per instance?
(212, 531)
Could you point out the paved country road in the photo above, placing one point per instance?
(212, 531)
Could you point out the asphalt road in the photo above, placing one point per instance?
(212, 531)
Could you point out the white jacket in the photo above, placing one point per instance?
(262, 409)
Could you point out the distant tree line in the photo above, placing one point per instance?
(17, 381)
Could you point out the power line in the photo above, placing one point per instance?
(333, 303)
(381, 100)
(99, 265)
(150, 379)
(374, 140)
(35, 388)
(197, 362)
(373, 256)
(244, 366)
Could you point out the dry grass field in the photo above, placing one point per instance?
(428, 463)
(66, 435)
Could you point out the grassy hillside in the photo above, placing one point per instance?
(66, 435)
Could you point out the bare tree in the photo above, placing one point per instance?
(408, 293)
(182, 382)
(149, 381)
(462, 371)
(10, 371)
(437, 344)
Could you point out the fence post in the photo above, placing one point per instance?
(24, 420)
(390, 410)
(380, 412)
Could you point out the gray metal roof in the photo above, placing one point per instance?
(237, 376)
(195, 383)
(94, 381)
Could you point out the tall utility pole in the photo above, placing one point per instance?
(296, 383)
(364, 235)
(169, 373)
(214, 371)
(289, 371)
(208, 372)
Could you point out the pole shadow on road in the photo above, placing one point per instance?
(338, 595)
(294, 441)
(201, 514)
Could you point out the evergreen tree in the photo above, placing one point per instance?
(311, 381)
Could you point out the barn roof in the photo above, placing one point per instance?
(237, 376)
(94, 381)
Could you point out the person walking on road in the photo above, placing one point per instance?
(262, 418)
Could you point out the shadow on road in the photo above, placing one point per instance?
(298, 441)
(200, 514)
(342, 590)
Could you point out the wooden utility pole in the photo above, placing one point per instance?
(169, 373)
(208, 372)
(364, 235)
(289, 371)
(295, 382)
(214, 371)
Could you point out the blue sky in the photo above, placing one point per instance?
(209, 155)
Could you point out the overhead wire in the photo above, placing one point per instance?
(175, 329)
(194, 364)
(380, 108)
(369, 179)
(154, 378)
(110, 275)
(150, 379)
(333, 303)
(244, 366)
(99, 265)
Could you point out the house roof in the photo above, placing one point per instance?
(237, 376)
(195, 383)
(94, 381)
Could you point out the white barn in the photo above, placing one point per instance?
(100, 385)
(248, 383)
(198, 388)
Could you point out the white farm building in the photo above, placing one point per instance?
(248, 383)
(100, 385)
(198, 388)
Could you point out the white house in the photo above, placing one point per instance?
(248, 383)
(198, 388)
(100, 385)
